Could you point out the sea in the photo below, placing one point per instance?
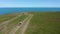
(27, 9)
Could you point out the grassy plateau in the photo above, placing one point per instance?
(44, 23)
(41, 23)
(6, 17)
(15, 22)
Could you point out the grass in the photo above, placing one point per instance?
(15, 22)
(19, 30)
(44, 23)
(6, 17)
(0, 32)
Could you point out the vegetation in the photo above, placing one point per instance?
(41, 23)
(44, 23)
(6, 17)
(15, 22)
(19, 30)
(0, 32)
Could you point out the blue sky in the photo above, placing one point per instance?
(29, 3)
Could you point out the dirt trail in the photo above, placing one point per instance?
(5, 22)
(26, 25)
(17, 27)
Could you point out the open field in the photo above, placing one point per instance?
(0, 32)
(33, 23)
(6, 17)
(14, 23)
(23, 28)
(44, 23)
(9, 25)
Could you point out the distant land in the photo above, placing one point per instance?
(27, 9)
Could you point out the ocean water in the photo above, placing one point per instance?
(10, 10)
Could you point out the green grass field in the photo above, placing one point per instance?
(0, 32)
(44, 23)
(6, 17)
(41, 23)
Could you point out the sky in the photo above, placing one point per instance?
(29, 3)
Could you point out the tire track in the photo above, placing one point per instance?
(5, 23)
(17, 27)
(26, 25)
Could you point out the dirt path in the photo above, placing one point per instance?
(17, 27)
(5, 23)
(26, 25)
